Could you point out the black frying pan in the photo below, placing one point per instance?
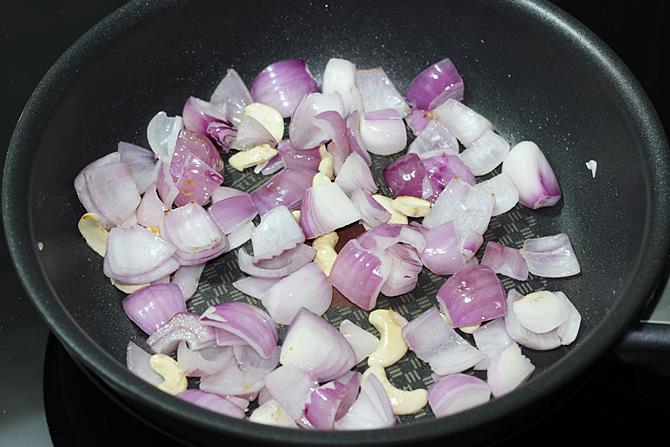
(532, 70)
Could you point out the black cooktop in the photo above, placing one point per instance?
(47, 400)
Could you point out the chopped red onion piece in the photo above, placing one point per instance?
(245, 321)
(471, 245)
(504, 192)
(371, 212)
(112, 192)
(136, 256)
(153, 306)
(355, 174)
(197, 145)
(223, 134)
(307, 288)
(279, 266)
(142, 164)
(405, 268)
(269, 412)
(283, 84)
(339, 76)
(434, 342)
(378, 92)
(417, 120)
(80, 182)
(271, 166)
(231, 96)
(286, 188)
(299, 158)
(316, 347)
(568, 331)
(232, 213)
(255, 287)
(434, 85)
(325, 208)
(490, 339)
(225, 338)
(372, 409)
(508, 369)
(485, 153)
(240, 235)
(212, 402)
(532, 175)
(277, 232)
(362, 342)
(331, 401)
(434, 136)
(359, 274)
(196, 236)
(506, 261)
(354, 137)
(251, 133)
(521, 335)
(243, 376)
(151, 211)
(466, 124)
(472, 296)
(291, 388)
(550, 256)
(137, 361)
(383, 135)
(457, 392)
(387, 235)
(334, 127)
(167, 190)
(407, 176)
(303, 130)
(195, 181)
(441, 167)
(203, 362)
(162, 133)
(264, 396)
(183, 327)
(199, 114)
(187, 278)
(442, 255)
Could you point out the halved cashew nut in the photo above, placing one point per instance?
(392, 346)
(252, 157)
(396, 216)
(320, 179)
(469, 329)
(325, 251)
(174, 379)
(128, 288)
(326, 166)
(94, 232)
(411, 206)
(271, 413)
(269, 117)
(402, 402)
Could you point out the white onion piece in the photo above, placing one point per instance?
(550, 256)
(339, 76)
(540, 312)
(457, 392)
(255, 287)
(355, 174)
(568, 331)
(187, 278)
(435, 136)
(231, 96)
(278, 231)
(203, 362)
(162, 133)
(240, 235)
(371, 410)
(316, 347)
(490, 339)
(291, 388)
(485, 153)
(151, 211)
(271, 412)
(196, 236)
(378, 92)
(362, 342)
(279, 266)
(435, 342)
(303, 132)
(307, 288)
(504, 192)
(508, 369)
(521, 335)
(137, 361)
(113, 192)
(466, 124)
(383, 136)
(532, 175)
(325, 208)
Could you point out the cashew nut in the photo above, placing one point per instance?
(326, 164)
(155, 230)
(411, 206)
(387, 203)
(252, 157)
(320, 179)
(391, 345)
(128, 288)
(296, 214)
(469, 329)
(272, 413)
(174, 379)
(325, 251)
(267, 116)
(94, 232)
(402, 402)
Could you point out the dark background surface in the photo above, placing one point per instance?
(616, 398)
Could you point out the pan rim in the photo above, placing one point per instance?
(16, 221)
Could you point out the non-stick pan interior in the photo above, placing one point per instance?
(531, 78)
